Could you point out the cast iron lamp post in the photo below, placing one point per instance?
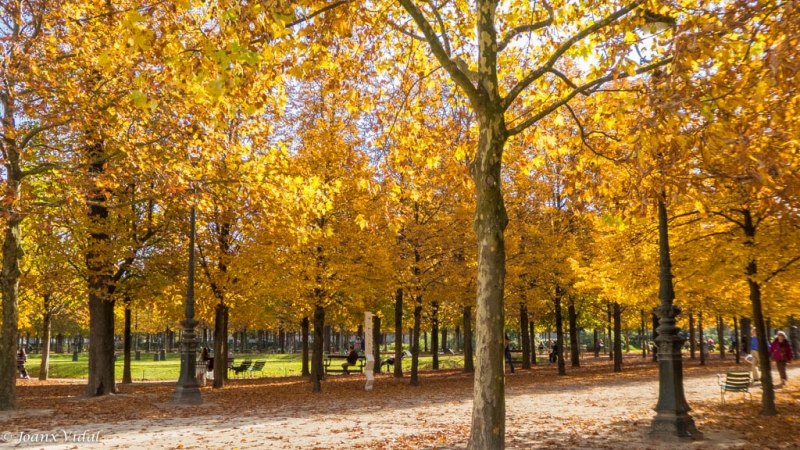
(187, 392)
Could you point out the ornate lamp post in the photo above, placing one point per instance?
(672, 421)
(187, 392)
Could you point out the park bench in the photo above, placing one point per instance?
(241, 368)
(333, 364)
(257, 367)
(734, 382)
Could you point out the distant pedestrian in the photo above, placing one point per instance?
(781, 351)
(754, 359)
(508, 354)
(22, 358)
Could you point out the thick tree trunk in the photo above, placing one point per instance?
(415, 342)
(574, 340)
(376, 338)
(435, 334)
(617, 338)
(317, 371)
(562, 369)
(46, 325)
(304, 325)
(126, 347)
(220, 346)
(398, 333)
(101, 336)
(692, 340)
(469, 366)
(524, 336)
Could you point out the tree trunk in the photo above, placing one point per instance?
(524, 336)
(281, 341)
(469, 366)
(126, 346)
(692, 340)
(327, 343)
(376, 338)
(703, 344)
(317, 371)
(596, 345)
(721, 337)
(533, 341)
(617, 338)
(304, 325)
(425, 340)
(435, 334)
(46, 325)
(415, 342)
(398, 333)
(443, 343)
(574, 339)
(737, 347)
(641, 339)
(220, 346)
(610, 338)
(562, 370)
(101, 336)
(458, 341)
(768, 392)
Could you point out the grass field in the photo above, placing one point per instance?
(62, 366)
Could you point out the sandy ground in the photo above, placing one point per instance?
(589, 408)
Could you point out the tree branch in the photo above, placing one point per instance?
(527, 28)
(316, 13)
(402, 30)
(782, 269)
(459, 77)
(442, 28)
(563, 48)
(585, 88)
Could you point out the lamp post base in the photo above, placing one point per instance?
(670, 426)
(187, 392)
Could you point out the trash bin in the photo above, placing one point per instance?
(163, 355)
(138, 355)
(75, 355)
(155, 356)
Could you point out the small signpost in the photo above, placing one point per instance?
(370, 366)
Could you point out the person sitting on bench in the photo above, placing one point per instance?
(352, 359)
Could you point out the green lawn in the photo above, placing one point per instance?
(62, 366)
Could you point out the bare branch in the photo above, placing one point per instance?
(459, 77)
(442, 28)
(527, 28)
(402, 30)
(316, 13)
(563, 48)
(782, 269)
(585, 88)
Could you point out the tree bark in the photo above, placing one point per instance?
(126, 346)
(692, 340)
(721, 337)
(304, 325)
(524, 336)
(317, 371)
(398, 333)
(376, 338)
(574, 339)
(46, 325)
(617, 338)
(703, 344)
(610, 344)
(533, 341)
(562, 370)
(435, 334)
(737, 347)
(469, 366)
(596, 345)
(641, 338)
(768, 392)
(220, 346)
(415, 342)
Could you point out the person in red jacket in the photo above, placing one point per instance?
(781, 351)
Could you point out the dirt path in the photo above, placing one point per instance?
(589, 408)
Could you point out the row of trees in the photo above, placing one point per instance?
(333, 161)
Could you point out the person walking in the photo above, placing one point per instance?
(754, 360)
(782, 354)
(22, 358)
(508, 354)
